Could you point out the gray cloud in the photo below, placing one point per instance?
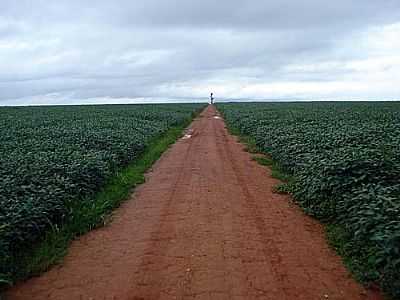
(159, 49)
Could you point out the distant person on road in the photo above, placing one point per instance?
(212, 98)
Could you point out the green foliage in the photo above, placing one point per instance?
(286, 186)
(262, 160)
(62, 170)
(283, 188)
(357, 259)
(345, 159)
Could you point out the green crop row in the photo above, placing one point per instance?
(52, 157)
(345, 158)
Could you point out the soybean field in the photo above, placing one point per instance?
(344, 163)
(53, 158)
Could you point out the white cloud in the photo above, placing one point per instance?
(69, 52)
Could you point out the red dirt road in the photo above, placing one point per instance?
(205, 225)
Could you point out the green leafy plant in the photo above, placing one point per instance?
(62, 169)
(344, 161)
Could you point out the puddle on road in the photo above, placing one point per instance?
(188, 134)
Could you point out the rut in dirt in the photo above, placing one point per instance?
(205, 225)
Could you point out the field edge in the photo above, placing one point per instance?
(90, 213)
(335, 234)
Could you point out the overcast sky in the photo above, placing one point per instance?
(56, 52)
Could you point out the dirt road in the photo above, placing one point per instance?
(205, 225)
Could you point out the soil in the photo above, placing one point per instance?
(205, 225)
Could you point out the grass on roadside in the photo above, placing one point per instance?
(358, 260)
(285, 186)
(88, 214)
(247, 141)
